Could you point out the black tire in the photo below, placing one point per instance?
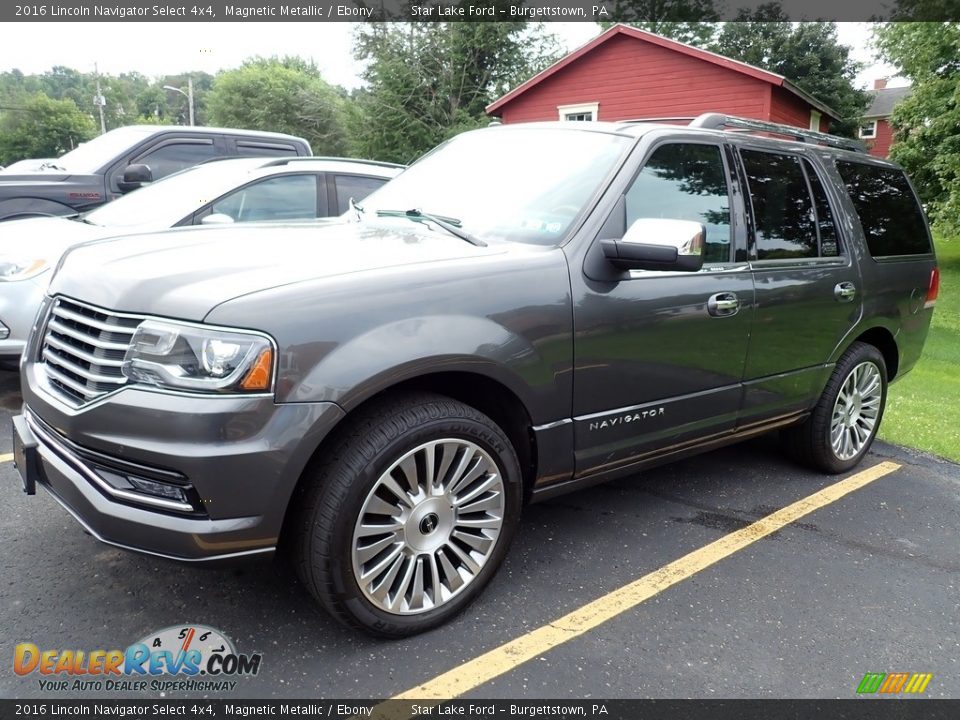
(332, 494)
(810, 443)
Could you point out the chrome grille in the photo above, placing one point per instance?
(83, 350)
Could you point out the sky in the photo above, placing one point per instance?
(211, 46)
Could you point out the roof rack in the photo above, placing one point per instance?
(288, 160)
(717, 121)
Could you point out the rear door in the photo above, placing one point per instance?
(808, 288)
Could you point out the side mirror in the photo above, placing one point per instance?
(135, 176)
(217, 219)
(658, 244)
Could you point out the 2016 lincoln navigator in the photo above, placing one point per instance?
(526, 310)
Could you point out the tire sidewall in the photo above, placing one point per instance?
(855, 356)
(345, 585)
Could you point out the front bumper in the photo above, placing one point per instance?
(240, 457)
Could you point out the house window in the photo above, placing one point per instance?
(815, 120)
(868, 130)
(584, 112)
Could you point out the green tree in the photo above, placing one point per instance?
(282, 95)
(808, 54)
(429, 81)
(927, 122)
(42, 127)
(690, 21)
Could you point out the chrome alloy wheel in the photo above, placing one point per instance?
(428, 526)
(856, 410)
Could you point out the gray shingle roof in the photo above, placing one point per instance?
(882, 102)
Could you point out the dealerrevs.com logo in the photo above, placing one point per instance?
(177, 658)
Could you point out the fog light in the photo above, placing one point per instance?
(157, 489)
(133, 483)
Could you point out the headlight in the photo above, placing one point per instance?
(188, 357)
(12, 269)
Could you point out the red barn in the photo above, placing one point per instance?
(630, 74)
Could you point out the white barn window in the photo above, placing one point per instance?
(583, 112)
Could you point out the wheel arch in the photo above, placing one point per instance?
(884, 340)
(482, 392)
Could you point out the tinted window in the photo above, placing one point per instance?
(783, 211)
(177, 156)
(891, 218)
(685, 182)
(353, 186)
(829, 242)
(288, 197)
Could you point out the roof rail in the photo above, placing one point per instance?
(291, 159)
(717, 121)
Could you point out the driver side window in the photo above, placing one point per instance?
(686, 182)
(289, 197)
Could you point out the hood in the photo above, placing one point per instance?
(185, 273)
(46, 237)
(16, 178)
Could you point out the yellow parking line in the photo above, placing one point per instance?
(498, 661)
(6, 458)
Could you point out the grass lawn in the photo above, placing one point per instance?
(923, 409)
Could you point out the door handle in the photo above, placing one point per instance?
(723, 304)
(845, 291)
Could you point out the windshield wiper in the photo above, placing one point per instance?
(52, 166)
(451, 225)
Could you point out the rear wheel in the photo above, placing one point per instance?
(845, 420)
(410, 515)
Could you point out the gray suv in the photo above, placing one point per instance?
(526, 311)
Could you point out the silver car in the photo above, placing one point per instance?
(216, 193)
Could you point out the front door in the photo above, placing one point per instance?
(659, 356)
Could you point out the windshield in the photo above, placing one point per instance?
(518, 184)
(89, 157)
(166, 202)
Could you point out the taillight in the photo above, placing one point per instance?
(934, 288)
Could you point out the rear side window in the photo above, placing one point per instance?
(784, 220)
(354, 186)
(891, 218)
(829, 239)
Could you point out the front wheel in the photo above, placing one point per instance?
(845, 420)
(410, 516)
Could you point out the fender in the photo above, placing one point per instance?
(413, 347)
(28, 207)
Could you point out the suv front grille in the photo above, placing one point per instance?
(83, 349)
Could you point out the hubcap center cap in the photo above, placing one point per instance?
(429, 526)
(429, 523)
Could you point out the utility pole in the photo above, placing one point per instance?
(99, 100)
(190, 98)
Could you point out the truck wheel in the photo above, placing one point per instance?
(408, 515)
(845, 420)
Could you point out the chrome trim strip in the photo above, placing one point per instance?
(60, 311)
(53, 325)
(82, 354)
(50, 444)
(99, 538)
(54, 358)
(55, 374)
(552, 425)
(663, 401)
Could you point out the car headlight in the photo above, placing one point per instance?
(13, 269)
(189, 357)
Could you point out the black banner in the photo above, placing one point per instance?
(460, 10)
(861, 709)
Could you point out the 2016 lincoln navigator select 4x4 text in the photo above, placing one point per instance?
(526, 310)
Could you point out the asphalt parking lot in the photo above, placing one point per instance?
(867, 583)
